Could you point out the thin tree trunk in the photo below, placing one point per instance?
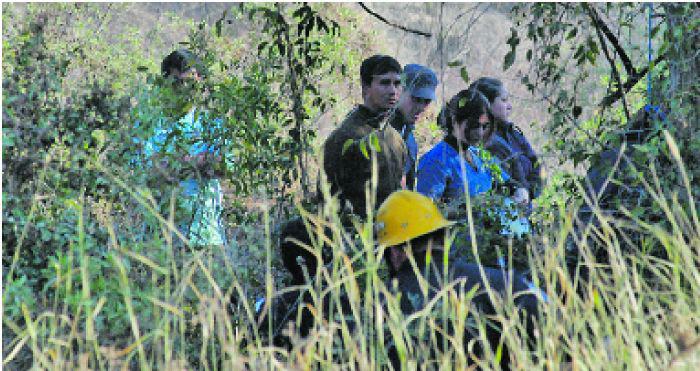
(297, 108)
(684, 65)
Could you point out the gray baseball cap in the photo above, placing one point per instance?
(420, 81)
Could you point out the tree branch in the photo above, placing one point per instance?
(602, 26)
(426, 34)
(611, 61)
(631, 81)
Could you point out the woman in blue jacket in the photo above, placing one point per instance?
(457, 165)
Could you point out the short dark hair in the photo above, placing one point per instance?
(488, 86)
(377, 65)
(181, 60)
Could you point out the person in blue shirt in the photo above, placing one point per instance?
(194, 143)
(457, 166)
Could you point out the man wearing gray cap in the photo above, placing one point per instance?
(419, 83)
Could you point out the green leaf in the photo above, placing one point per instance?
(100, 137)
(346, 145)
(677, 32)
(514, 40)
(374, 141)
(465, 75)
(8, 139)
(591, 57)
(217, 26)
(363, 149)
(454, 63)
(576, 111)
(508, 59)
(499, 354)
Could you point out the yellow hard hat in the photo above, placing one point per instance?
(405, 215)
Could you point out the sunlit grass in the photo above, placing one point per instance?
(635, 312)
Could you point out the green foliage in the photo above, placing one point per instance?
(567, 44)
(49, 141)
(95, 275)
(86, 221)
(298, 47)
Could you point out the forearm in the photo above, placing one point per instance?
(207, 164)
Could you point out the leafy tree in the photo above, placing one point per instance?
(299, 47)
(568, 44)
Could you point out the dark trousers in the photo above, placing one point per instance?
(297, 258)
(499, 281)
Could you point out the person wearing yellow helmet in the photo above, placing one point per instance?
(409, 225)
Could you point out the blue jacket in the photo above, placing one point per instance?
(440, 174)
(521, 157)
(443, 174)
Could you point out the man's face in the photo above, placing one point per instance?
(412, 107)
(383, 93)
(190, 74)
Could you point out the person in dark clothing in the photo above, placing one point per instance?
(419, 83)
(609, 184)
(345, 163)
(409, 225)
(347, 166)
(293, 234)
(509, 143)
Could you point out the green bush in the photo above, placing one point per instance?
(95, 275)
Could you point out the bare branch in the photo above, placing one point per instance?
(612, 98)
(422, 33)
(611, 60)
(602, 26)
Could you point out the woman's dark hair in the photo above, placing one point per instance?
(181, 60)
(444, 119)
(377, 65)
(468, 105)
(488, 86)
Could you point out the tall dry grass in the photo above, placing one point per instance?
(635, 312)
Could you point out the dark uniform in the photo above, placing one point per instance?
(519, 159)
(609, 184)
(412, 298)
(349, 171)
(405, 129)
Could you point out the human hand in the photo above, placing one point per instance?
(521, 196)
(206, 164)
